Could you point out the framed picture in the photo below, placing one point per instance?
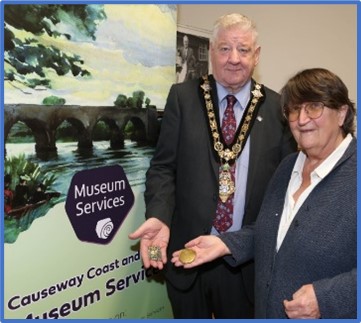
(192, 59)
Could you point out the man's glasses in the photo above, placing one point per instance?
(313, 110)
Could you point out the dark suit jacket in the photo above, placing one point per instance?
(182, 181)
(320, 246)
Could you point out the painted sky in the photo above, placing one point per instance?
(134, 50)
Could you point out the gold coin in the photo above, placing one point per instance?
(187, 256)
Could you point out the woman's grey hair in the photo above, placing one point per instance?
(320, 85)
(234, 20)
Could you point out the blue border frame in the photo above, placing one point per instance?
(3, 2)
(2, 144)
(249, 2)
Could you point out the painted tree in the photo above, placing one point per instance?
(147, 102)
(121, 101)
(134, 101)
(26, 60)
(138, 97)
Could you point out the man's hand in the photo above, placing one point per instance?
(154, 238)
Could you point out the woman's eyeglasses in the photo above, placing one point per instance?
(313, 110)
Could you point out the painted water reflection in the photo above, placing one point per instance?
(133, 158)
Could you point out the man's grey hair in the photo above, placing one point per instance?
(234, 20)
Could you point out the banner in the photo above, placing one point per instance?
(83, 90)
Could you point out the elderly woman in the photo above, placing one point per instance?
(304, 240)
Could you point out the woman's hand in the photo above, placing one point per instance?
(207, 248)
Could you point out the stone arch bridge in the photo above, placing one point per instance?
(44, 120)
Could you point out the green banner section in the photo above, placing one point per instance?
(50, 274)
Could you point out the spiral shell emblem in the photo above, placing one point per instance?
(104, 228)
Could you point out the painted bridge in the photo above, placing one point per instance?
(44, 120)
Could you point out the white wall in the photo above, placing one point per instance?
(292, 37)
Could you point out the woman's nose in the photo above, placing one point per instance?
(303, 116)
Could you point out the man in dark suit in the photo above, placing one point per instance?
(183, 181)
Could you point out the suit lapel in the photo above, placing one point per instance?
(213, 157)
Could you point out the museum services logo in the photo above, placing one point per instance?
(97, 203)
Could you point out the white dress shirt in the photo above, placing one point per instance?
(291, 208)
(242, 162)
